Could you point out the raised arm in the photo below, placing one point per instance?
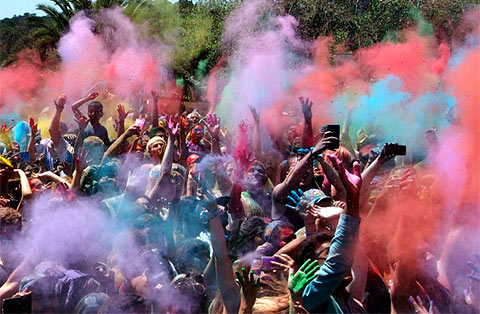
(213, 126)
(54, 128)
(76, 105)
(24, 185)
(307, 137)
(256, 141)
(154, 109)
(122, 115)
(345, 139)
(167, 160)
(242, 149)
(295, 176)
(113, 149)
(334, 179)
(226, 281)
(31, 142)
(371, 171)
(342, 249)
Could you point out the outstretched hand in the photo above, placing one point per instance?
(420, 308)
(213, 124)
(306, 108)
(248, 286)
(122, 114)
(298, 281)
(172, 127)
(294, 199)
(351, 181)
(93, 95)
(4, 130)
(33, 126)
(81, 160)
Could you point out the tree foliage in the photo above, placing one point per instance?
(192, 30)
(15, 35)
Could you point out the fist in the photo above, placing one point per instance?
(62, 99)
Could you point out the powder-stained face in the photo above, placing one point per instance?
(37, 186)
(197, 133)
(256, 175)
(157, 149)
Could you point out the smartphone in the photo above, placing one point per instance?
(267, 262)
(140, 123)
(18, 304)
(335, 129)
(395, 149)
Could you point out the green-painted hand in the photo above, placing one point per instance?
(299, 280)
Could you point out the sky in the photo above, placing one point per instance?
(9, 8)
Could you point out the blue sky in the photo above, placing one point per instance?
(9, 8)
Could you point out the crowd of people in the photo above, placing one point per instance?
(188, 220)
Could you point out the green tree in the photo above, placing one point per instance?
(48, 31)
(15, 35)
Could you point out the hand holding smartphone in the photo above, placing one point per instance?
(395, 149)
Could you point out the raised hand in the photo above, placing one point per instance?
(81, 160)
(132, 130)
(4, 130)
(134, 180)
(33, 126)
(383, 155)
(173, 127)
(299, 280)
(122, 114)
(93, 95)
(255, 115)
(283, 261)
(60, 102)
(327, 142)
(213, 124)
(184, 121)
(248, 286)
(420, 308)
(306, 108)
(294, 199)
(351, 181)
